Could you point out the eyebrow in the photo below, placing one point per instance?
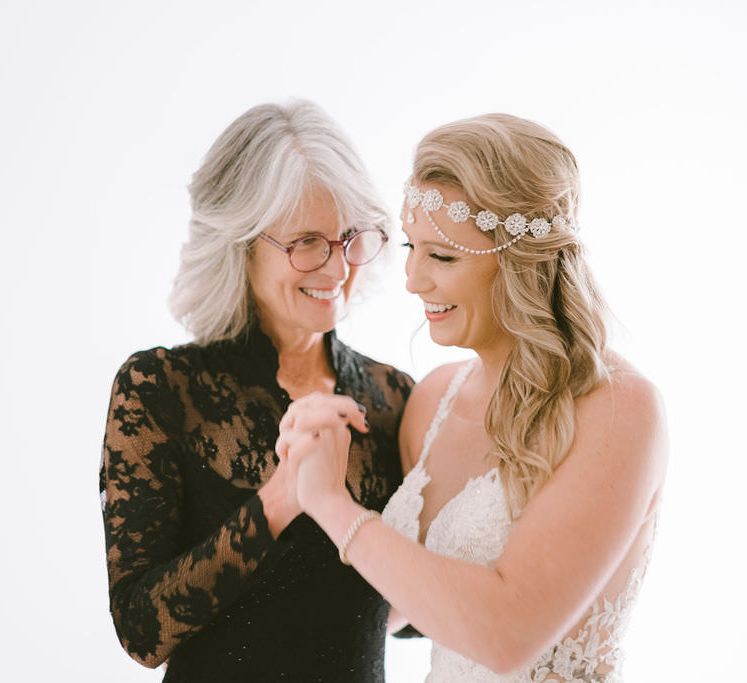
(440, 245)
(290, 237)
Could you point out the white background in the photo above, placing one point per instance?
(107, 109)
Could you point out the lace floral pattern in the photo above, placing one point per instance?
(475, 526)
(402, 512)
(597, 642)
(195, 576)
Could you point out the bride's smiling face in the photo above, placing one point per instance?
(455, 286)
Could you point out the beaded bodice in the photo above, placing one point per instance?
(474, 526)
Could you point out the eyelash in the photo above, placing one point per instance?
(437, 257)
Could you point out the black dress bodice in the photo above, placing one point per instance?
(195, 577)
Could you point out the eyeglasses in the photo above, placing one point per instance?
(312, 251)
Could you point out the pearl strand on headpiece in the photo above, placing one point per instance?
(467, 250)
(459, 211)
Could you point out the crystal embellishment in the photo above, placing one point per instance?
(486, 220)
(539, 227)
(432, 200)
(515, 224)
(458, 212)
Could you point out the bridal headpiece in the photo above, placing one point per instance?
(459, 211)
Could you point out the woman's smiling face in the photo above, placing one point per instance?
(302, 302)
(455, 286)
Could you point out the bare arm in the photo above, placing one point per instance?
(561, 552)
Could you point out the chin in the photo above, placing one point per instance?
(454, 338)
(320, 326)
(324, 322)
(443, 339)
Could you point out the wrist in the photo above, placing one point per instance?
(347, 539)
(334, 514)
(278, 512)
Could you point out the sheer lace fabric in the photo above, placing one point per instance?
(474, 526)
(195, 576)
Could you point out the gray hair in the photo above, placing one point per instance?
(255, 175)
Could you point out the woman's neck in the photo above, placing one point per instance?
(483, 380)
(303, 365)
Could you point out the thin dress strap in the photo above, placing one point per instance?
(444, 405)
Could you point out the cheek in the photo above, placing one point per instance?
(476, 293)
(256, 279)
(457, 283)
(268, 279)
(273, 267)
(486, 277)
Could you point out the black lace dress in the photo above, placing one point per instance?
(195, 577)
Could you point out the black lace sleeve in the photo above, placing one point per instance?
(161, 592)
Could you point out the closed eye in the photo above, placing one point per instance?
(433, 254)
(443, 259)
(307, 240)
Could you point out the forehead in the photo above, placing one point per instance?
(316, 211)
(422, 229)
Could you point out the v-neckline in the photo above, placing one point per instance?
(423, 533)
(442, 413)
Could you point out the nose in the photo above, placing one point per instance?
(337, 267)
(417, 282)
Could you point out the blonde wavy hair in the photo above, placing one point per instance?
(543, 294)
(255, 176)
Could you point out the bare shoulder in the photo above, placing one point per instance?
(434, 384)
(420, 409)
(625, 394)
(623, 417)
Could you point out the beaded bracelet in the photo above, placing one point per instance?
(359, 521)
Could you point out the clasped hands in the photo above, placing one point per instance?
(313, 449)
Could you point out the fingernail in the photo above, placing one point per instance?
(362, 408)
(365, 422)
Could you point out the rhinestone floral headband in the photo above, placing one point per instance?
(460, 212)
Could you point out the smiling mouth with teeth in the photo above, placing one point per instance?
(438, 308)
(323, 294)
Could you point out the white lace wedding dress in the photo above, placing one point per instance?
(474, 526)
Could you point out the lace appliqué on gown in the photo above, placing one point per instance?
(475, 526)
(402, 512)
(597, 642)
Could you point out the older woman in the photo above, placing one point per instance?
(523, 527)
(211, 565)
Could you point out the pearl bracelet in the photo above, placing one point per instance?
(359, 521)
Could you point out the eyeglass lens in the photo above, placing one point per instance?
(312, 252)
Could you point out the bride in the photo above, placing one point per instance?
(520, 535)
